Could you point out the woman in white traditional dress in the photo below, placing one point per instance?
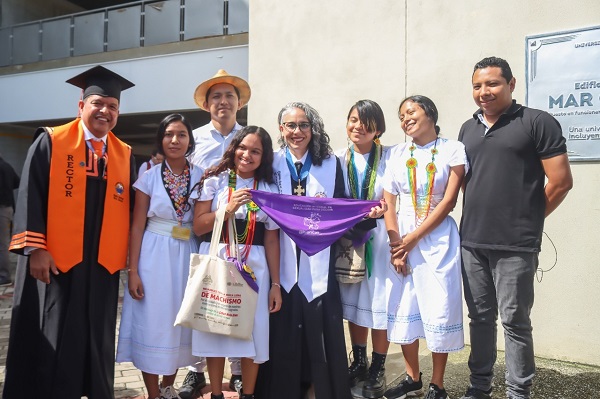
(424, 291)
(246, 164)
(364, 302)
(159, 253)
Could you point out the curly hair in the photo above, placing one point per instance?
(264, 170)
(318, 146)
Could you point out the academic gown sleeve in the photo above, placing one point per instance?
(32, 201)
(339, 190)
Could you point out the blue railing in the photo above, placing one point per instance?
(132, 25)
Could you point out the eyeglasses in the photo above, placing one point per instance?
(291, 126)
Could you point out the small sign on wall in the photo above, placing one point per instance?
(563, 78)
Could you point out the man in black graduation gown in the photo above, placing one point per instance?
(71, 225)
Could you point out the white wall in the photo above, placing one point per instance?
(331, 54)
(322, 53)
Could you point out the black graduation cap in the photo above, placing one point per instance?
(101, 81)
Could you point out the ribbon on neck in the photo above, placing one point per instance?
(305, 167)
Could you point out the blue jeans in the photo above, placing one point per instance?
(500, 282)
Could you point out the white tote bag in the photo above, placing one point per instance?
(217, 299)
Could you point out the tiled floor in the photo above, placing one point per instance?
(128, 379)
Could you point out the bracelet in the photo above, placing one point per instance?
(276, 285)
(229, 213)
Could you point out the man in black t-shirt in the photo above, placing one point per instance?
(512, 150)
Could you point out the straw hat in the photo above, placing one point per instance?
(222, 77)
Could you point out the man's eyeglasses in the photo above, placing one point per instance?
(291, 126)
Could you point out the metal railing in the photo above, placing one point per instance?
(132, 25)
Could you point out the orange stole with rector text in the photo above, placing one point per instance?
(66, 200)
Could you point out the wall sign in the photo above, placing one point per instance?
(563, 78)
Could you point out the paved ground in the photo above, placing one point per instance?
(554, 379)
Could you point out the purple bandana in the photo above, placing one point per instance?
(312, 223)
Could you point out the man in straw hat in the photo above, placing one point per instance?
(72, 225)
(222, 96)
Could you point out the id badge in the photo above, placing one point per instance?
(181, 233)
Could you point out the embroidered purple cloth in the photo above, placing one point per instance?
(313, 223)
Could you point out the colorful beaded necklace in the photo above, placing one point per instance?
(368, 184)
(367, 188)
(177, 187)
(421, 204)
(247, 236)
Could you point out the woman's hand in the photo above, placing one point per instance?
(136, 288)
(238, 198)
(378, 211)
(401, 265)
(395, 248)
(409, 242)
(274, 298)
(403, 246)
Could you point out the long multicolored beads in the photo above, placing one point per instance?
(247, 235)
(421, 204)
(177, 187)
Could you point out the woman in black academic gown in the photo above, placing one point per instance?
(307, 347)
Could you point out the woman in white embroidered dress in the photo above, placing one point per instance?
(364, 303)
(159, 254)
(424, 290)
(246, 164)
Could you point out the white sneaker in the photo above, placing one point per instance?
(168, 393)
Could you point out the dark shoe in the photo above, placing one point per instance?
(5, 282)
(374, 386)
(474, 393)
(247, 396)
(436, 393)
(407, 388)
(359, 369)
(235, 383)
(219, 396)
(192, 385)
